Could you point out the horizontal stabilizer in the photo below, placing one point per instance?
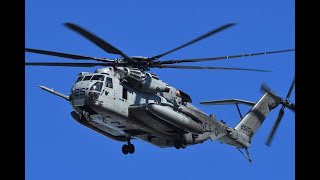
(228, 102)
(55, 92)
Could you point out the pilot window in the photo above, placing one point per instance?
(87, 78)
(98, 77)
(109, 83)
(79, 78)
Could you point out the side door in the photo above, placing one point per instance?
(108, 93)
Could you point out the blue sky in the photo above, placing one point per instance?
(57, 147)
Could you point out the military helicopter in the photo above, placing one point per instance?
(123, 101)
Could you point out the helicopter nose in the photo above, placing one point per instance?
(79, 94)
(85, 94)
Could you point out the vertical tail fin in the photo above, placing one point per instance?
(255, 117)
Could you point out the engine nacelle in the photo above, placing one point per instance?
(175, 118)
(143, 81)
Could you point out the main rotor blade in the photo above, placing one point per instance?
(96, 40)
(214, 31)
(275, 126)
(67, 64)
(221, 57)
(228, 102)
(207, 68)
(290, 90)
(65, 55)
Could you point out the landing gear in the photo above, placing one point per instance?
(128, 148)
(84, 116)
(131, 148)
(179, 144)
(125, 149)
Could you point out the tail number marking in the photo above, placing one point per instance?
(245, 128)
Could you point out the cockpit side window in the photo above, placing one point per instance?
(98, 77)
(87, 78)
(96, 87)
(79, 78)
(109, 83)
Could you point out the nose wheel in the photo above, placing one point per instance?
(128, 148)
(84, 116)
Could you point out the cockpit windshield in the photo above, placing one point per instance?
(98, 77)
(87, 78)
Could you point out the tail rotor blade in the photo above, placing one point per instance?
(285, 104)
(290, 90)
(292, 107)
(275, 127)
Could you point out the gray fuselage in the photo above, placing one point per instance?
(148, 109)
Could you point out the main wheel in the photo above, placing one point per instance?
(131, 148)
(125, 149)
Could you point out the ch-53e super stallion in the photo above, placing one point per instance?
(123, 100)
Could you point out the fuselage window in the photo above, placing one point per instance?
(109, 83)
(87, 78)
(124, 93)
(98, 77)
